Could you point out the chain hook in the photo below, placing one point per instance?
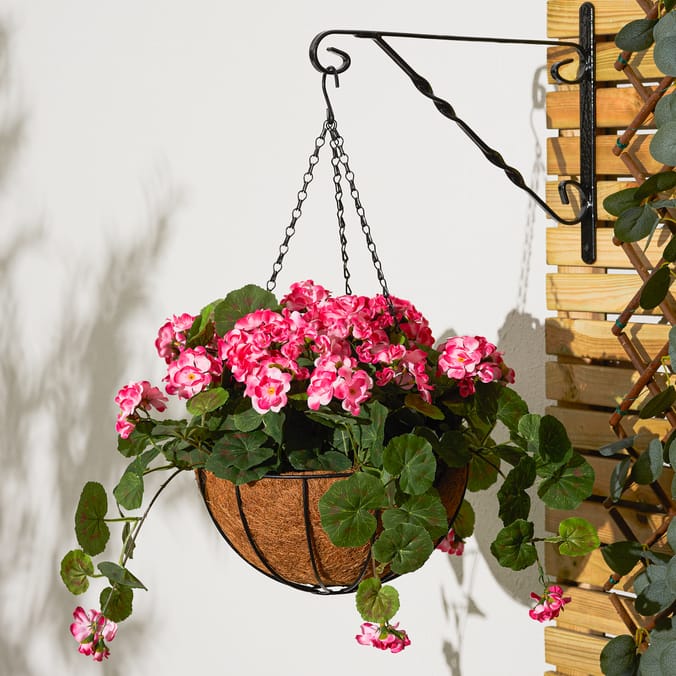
(330, 70)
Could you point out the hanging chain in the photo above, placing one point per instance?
(296, 213)
(340, 210)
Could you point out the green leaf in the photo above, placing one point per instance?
(528, 428)
(665, 110)
(417, 403)
(513, 499)
(665, 55)
(672, 349)
(376, 603)
(511, 408)
(579, 537)
(247, 420)
(127, 542)
(240, 476)
(207, 401)
(137, 441)
(510, 454)
(129, 491)
(411, 458)
(663, 144)
(648, 466)
(661, 182)
(617, 446)
(656, 288)
(669, 252)
(513, 547)
(671, 534)
(239, 303)
(656, 596)
(119, 575)
(666, 26)
(463, 524)
(671, 576)
(635, 223)
(483, 471)
(618, 478)
(117, 602)
(421, 510)
(76, 568)
(619, 657)
(372, 435)
(659, 403)
(90, 528)
(620, 201)
(636, 36)
(453, 449)
(346, 509)
(405, 547)
(568, 485)
(621, 557)
(273, 426)
(241, 451)
(333, 461)
(553, 443)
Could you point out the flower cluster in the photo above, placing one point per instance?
(452, 544)
(91, 630)
(131, 399)
(549, 605)
(383, 637)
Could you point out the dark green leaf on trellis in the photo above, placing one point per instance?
(410, 457)
(483, 471)
(90, 528)
(617, 446)
(618, 202)
(405, 547)
(239, 303)
(346, 509)
(116, 602)
(659, 403)
(513, 547)
(648, 466)
(663, 144)
(119, 575)
(511, 408)
(621, 557)
(665, 110)
(619, 657)
(375, 602)
(671, 534)
(207, 401)
(76, 567)
(567, 485)
(579, 537)
(421, 510)
(666, 26)
(656, 288)
(635, 223)
(669, 252)
(129, 490)
(656, 596)
(453, 449)
(636, 36)
(618, 478)
(661, 182)
(665, 55)
(463, 524)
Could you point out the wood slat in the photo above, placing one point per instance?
(563, 247)
(594, 610)
(642, 63)
(589, 430)
(610, 16)
(642, 524)
(593, 293)
(603, 189)
(587, 339)
(563, 156)
(615, 108)
(571, 650)
(589, 570)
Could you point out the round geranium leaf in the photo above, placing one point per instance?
(90, 528)
(405, 548)
(463, 524)
(511, 408)
(421, 510)
(620, 201)
(619, 657)
(483, 471)
(116, 602)
(635, 223)
(621, 557)
(239, 303)
(207, 401)
(453, 449)
(579, 537)
(513, 547)
(663, 144)
(240, 450)
(656, 289)
(375, 602)
(346, 509)
(76, 567)
(553, 443)
(665, 110)
(568, 485)
(636, 36)
(665, 55)
(410, 457)
(129, 491)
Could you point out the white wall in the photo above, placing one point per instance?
(150, 153)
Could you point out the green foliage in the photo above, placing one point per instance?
(636, 35)
(119, 575)
(665, 110)
(76, 569)
(90, 528)
(375, 602)
(410, 458)
(513, 547)
(636, 223)
(621, 557)
(116, 602)
(648, 466)
(420, 510)
(512, 496)
(566, 486)
(618, 202)
(578, 537)
(239, 303)
(207, 401)
(656, 288)
(464, 520)
(405, 547)
(619, 657)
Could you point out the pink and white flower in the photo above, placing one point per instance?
(91, 630)
(383, 637)
(171, 338)
(192, 372)
(132, 397)
(549, 605)
(452, 544)
(268, 389)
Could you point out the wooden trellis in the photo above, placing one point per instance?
(604, 347)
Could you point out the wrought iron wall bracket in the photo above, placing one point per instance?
(586, 186)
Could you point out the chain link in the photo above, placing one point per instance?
(340, 210)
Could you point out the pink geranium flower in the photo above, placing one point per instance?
(268, 389)
(141, 395)
(171, 338)
(452, 544)
(91, 630)
(192, 372)
(549, 605)
(383, 637)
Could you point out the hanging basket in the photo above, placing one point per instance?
(274, 525)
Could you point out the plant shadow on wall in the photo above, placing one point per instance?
(522, 339)
(52, 402)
